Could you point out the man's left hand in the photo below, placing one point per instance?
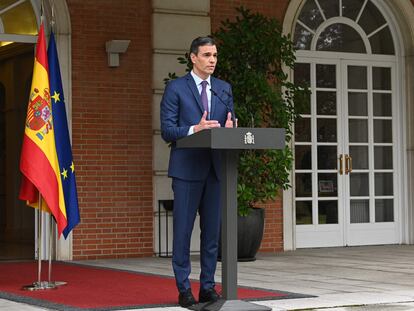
(229, 121)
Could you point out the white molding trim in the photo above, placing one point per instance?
(18, 38)
(289, 219)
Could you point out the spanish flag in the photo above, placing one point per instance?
(39, 162)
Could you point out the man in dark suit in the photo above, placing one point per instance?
(191, 104)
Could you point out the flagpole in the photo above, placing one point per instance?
(39, 240)
(39, 285)
(65, 215)
(52, 284)
(50, 248)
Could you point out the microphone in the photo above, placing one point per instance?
(229, 109)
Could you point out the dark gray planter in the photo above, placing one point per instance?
(249, 235)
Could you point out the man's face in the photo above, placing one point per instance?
(205, 61)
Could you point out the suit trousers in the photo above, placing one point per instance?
(189, 197)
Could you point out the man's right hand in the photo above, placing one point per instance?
(205, 124)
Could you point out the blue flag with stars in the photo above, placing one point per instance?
(62, 140)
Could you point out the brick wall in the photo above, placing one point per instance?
(273, 231)
(220, 10)
(112, 133)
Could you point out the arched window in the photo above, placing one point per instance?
(353, 26)
(18, 21)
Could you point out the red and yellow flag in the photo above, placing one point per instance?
(39, 162)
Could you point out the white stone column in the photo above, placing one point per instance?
(175, 24)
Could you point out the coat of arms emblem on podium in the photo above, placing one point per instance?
(248, 138)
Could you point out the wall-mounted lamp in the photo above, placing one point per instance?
(113, 48)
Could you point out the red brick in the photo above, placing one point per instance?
(111, 149)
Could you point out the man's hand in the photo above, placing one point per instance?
(205, 124)
(229, 121)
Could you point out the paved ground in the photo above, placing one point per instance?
(352, 278)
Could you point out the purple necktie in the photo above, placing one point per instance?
(204, 98)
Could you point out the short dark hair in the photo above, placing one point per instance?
(200, 41)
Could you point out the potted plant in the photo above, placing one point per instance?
(253, 57)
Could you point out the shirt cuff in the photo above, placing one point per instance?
(191, 130)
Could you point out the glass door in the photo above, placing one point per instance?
(344, 151)
(318, 136)
(369, 154)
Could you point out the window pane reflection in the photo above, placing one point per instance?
(358, 131)
(303, 212)
(357, 77)
(383, 157)
(351, 8)
(302, 74)
(382, 131)
(340, 38)
(359, 184)
(384, 184)
(382, 105)
(330, 8)
(327, 157)
(327, 185)
(371, 18)
(303, 184)
(326, 130)
(326, 76)
(384, 210)
(381, 78)
(359, 211)
(382, 42)
(303, 157)
(303, 130)
(359, 156)
(302, 79)
(328, 212)
(305, 105)
(326, 103)
(302, 38)
(357, 104)
(310, 15)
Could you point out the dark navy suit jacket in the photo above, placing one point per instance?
(181, 108)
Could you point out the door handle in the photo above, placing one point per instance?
(341, 164)
(348, 164)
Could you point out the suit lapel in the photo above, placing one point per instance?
(193, 87)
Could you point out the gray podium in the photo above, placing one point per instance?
(230, 141)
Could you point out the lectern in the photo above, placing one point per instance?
(230, 141)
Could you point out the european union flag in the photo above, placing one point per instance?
(63, 147)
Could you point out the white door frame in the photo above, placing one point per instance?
(399, 15)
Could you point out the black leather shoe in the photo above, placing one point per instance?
(208, 295)
(186, 299)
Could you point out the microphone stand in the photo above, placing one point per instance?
(226, 105)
